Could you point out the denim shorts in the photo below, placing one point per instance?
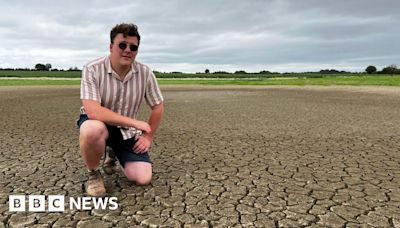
(123, 149)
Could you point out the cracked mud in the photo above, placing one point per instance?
(223, 157)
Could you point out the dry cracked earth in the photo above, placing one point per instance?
(223, 157)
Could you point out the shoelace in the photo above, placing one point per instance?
(94, 175)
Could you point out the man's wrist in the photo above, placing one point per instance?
(148, 136)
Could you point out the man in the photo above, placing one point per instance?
(112, 89)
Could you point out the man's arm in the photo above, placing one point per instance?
(144, 142)
(97, 112)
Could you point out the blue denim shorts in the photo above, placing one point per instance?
(123, 149)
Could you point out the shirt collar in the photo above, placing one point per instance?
(133, 70)
(108, 65)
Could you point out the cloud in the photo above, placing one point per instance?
(191, 36)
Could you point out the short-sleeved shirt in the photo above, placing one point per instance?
(102, 84)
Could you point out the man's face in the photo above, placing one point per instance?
(121, 49)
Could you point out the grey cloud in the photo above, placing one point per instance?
(249, 35)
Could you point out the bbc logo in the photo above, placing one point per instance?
(56, 203)
(36, 203)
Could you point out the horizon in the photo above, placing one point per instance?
(203, 72)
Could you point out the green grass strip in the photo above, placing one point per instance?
(33, 82)
(378, 80)
(349, 80)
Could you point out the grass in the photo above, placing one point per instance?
(34, 73)
(341, 80)
(34, 82)
(161, 75)
(352, 80)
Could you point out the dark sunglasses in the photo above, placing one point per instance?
(132, 47)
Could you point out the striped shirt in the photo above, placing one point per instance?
(100, 83)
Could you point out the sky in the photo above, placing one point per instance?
(219, 35)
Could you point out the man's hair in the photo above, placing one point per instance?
(126, 30)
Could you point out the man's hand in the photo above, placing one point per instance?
(95, 111)
(141, 125)
(143, 144)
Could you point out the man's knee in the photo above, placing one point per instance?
(92, 131)
(139, 179)
(141, 174)
(142, 180)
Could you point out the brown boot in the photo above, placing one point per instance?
(95, 185)
(110, 162)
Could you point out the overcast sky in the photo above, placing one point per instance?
(191, 36)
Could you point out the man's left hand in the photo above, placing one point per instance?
(142, 144)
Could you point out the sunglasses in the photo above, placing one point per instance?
(132, 47)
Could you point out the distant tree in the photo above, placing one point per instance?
(221, 72)
(327, 71)
(40, 66)
(265, 72)
(207, 71)
(370, 69)
(240, 72)
(392, 69)
(48, 66)
(73, 69)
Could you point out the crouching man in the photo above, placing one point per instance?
(112, 90)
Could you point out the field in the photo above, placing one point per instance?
(349, 80)
(33, 73)
(338, 80)
(224, 156)
(8, 77)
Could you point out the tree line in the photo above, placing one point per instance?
(391, 69)
(47, 67)
(42, 67)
